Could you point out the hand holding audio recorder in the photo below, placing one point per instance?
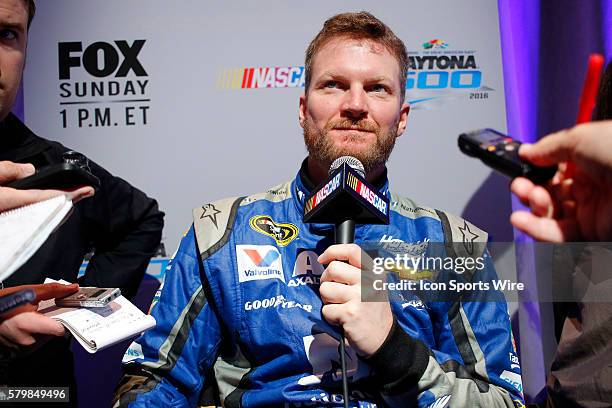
(73, 172)
(500, 152)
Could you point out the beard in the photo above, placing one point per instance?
(322, 149)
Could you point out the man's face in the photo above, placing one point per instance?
(353, 105)
(13, 40)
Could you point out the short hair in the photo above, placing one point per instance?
(603, 110)
(358, 26)
(31, 10)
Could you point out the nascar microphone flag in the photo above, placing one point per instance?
(345, 191)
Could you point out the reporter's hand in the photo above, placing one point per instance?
(366, 324)
(43, 291)
(573, 207)
(12, 198)
(23, 329)
(24, 326)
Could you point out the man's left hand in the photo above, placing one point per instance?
(12, 198)
(366, 324)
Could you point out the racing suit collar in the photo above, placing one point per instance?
(304, 185)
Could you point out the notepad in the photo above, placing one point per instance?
(23, 230)
(100, 327)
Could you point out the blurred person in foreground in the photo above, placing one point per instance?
(254, 299)
(569, 209)
(577, 207)
(120, 224)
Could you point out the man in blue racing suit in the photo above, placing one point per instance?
(254, 299)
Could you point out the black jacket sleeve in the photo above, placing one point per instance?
(124, 227)
(119, 223)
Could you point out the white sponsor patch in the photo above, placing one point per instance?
(258, 262)
(323, 355)
(306, 270)
(513, 379)
(306, 264)
(132, 353)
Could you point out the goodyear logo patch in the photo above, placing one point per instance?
(283, 233)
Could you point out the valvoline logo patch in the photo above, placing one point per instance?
(269, 257)
(259, 262)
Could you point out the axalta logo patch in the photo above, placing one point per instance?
(513, 379)
(307, 270)
(283, 233)
(258, 262)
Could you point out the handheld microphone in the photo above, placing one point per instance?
(345, 199)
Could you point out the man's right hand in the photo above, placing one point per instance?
(12, 198)
(21, 326)
(575, 206)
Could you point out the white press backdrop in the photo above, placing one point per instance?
(182, 127)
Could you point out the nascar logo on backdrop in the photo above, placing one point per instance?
(261, 77)
(438, 73)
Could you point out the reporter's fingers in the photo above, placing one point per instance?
(545, 229)
(536, 197)
(541, 202)
(43, 292)
(18, 310)
(21, 328)
(36, 323)
(521, 187)
(550, 150)
(15, 338)
(569, 208)
(10, 171)
(81, 193)
(54, 290)
(12, 198)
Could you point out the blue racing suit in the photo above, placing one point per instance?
(239, 313)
